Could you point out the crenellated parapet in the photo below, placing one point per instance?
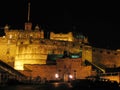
(15, 34)
(61, 36)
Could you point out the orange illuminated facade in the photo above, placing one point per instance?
(29, 49)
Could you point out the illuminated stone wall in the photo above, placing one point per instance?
(106, 58)
(74, 67)
(16, 48)
(43, 71)
(7, 53)
(37, 50)
(87, 53)
(61, 36)
(63, 68)
(29, 54)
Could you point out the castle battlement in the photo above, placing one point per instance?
(106, 51)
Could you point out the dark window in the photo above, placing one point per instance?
(21, 42)
(80, 46)
(101, 51)
(108, 52)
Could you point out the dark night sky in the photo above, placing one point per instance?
(100, 22)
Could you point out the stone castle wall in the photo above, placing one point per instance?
(7, 53)
(87, 53)
(74, 67)
(36, 51)
(63, 68)
(106, 58)
(61, 36)
(43, 71)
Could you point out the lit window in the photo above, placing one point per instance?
(10, 36)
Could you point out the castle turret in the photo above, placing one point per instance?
(37, 28)
(6, 28)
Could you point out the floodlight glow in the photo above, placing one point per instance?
(56, 75)
(70, 76)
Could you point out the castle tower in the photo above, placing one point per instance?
(28, 24)
(87, 53)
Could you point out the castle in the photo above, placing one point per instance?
(28, 49)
